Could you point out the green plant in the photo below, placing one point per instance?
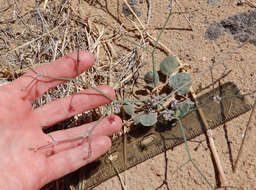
(149, 117)
(180, 82)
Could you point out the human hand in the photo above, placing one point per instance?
(21, 126)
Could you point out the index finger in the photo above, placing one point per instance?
(65, 67)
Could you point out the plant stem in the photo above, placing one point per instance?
(154, 48)
(188, 152)
(162, 30)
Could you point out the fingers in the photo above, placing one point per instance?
(64, 108)
(68, 161)
(105, 127)
(66, 67)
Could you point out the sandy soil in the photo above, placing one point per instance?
(193, 49)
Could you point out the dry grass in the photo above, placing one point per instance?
(52, 29)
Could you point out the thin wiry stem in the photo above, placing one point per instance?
(157, 40)
(189, 155)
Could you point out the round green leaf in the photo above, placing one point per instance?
(149, 78)
(179, 80)
(129, 109)
(169, 65)
(147, 119)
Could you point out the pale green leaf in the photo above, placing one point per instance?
(179, 80)
(147, 119)
(169, 65)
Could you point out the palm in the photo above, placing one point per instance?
(21, 128)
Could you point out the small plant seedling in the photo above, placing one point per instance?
(167, 67)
